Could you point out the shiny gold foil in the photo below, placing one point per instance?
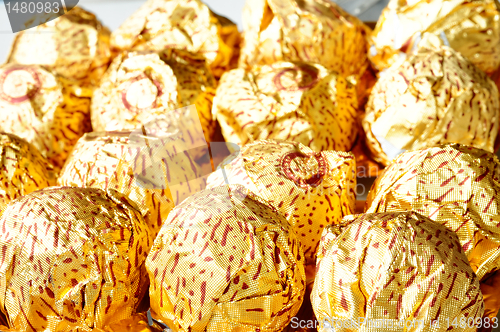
(181, 24)
(75, 46)
(398, 268)
(308, 30)
(72, 257)
(434, 97)
(311, 190)
(23, 169)
(225, 260)
(112, 160)
(299, 102)
(470, 27)
(43, 109)
(136, 323)
(140, 87)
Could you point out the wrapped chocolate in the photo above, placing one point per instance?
(137, 323)
(311, 30)
(44, 109)
(181, 24)
(311, 190)
(394, 272)
(299, 102)
(225, 260)
(468, 26)
(72, 257)
(142, 87)
(454, 185)
(23, 169)
(75, 46)
(434, 97)
(146, 169)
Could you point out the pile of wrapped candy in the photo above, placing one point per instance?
(110, 221)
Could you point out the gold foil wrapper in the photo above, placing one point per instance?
(311, 190)
(75, 46)
(181, 24)
(141, 87)
(468, 26)
(299, 102)
(145, 169)
(434, 97)
(136, 323)
(395, 269)
(72, 257)
(312, 30)
(43, 109)
(23, 169)
(226, 260)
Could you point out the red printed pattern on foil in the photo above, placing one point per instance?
(20, 99)
(314, 180)
(127, 87)
(310, 78)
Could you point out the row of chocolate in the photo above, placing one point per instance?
(304, 74)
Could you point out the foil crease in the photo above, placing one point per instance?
(299, 102)
(75, 46)
(181, 24)
(310, 30)
(45, 109)
(225, 260)
(311, 190)
(470, 27)
(435, 96)
(388, 268)
(87, 249)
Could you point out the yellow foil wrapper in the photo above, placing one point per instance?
(155, 181)
(136, 323)
(456, 186)
(299, 102)
(140, 87)
(181, 24)
(311, 190)
(400, 271)
(468, 26)
(434, 97)
(225, 260)
(311, 30)
(43, 109)
(72, 257)
(75, 46)
(23, 169)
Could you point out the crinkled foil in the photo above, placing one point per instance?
(225, 260)
(43, 109)
(395, 270)
(140, 87)
(306, 30)
(311, 190)
(181, 24)
(75, 46)
(154, 181)
(72, 257)
(434, 97)
(299, 102)
(23, 169)
(454, 185)
(470, 27)
(136, 323)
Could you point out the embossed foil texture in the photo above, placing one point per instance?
(226, 260)
(143, 168)
(299, 102)
(435, 96)
(75, 46)
(181, 24)
(47, 110)
(470, 27)
(311, 190)
(72, 258)
(393, 267)
(456, 186)
(22, 170)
